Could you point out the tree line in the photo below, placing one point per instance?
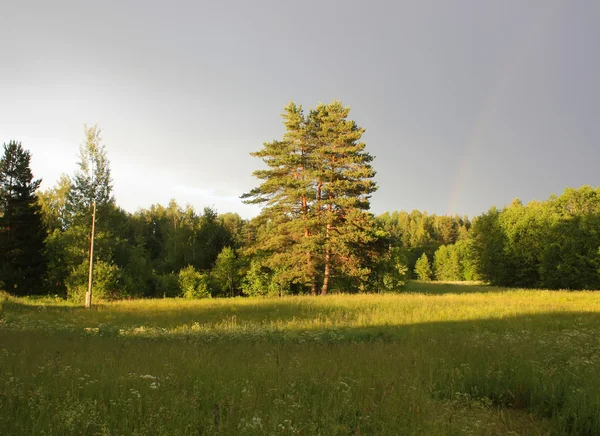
(314, 234)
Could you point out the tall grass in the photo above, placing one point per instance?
(441, 359)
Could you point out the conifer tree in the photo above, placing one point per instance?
(315, 194)
(423, 268)
(343, 177)
(22, 232)
(285, 194)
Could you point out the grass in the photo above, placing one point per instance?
(437, 359)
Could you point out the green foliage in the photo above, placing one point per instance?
(54, 204)
(92, 181)
(423, 268)
(446, 264)
(468, 267)
(455, 262)
(258, 281)
(420, 233)
(22, 232)
(314, 194)
(194, 284)
(166, 285)
(389, 272)
(551, 244)
(226, 272)
(314, 230)
(107, 282)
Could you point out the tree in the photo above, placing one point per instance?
(552, 244)
(258, 281)
(489, 242)
(108, 284)
(315, 194)
(89, 201)
(22, 232)
(388, 269)
(226, 271)
(53, 202)
(468, 269)
(423, 268)
(343, 177)
(92, 181)
(193, 283)
(446, 264)
(286, 194)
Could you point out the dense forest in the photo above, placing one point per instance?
(314, 234)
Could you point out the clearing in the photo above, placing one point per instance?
(437, 359)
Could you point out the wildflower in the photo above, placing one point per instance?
(149, 377)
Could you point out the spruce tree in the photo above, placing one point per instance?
(423, 268)
(22, 232)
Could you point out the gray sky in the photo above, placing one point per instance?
(467, 104)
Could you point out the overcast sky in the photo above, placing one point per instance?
(467, 104)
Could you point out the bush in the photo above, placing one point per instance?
(107, 282)
(259, 281)
(166, 285)
(193, 284)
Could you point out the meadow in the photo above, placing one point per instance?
(435, 359)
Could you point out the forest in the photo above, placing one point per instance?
(314, 235)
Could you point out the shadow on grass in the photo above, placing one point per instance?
(522, 362)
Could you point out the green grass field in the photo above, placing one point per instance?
(437, 359)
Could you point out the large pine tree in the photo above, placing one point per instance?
(344, 180)
(286, 194)
(22, 232)
(314, 194)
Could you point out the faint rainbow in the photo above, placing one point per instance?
(537, 30)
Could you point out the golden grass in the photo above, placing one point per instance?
(439, 358)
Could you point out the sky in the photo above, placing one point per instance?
(466, 104)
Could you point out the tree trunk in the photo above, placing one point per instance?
(313, 285)
(327, 272)
(88, 295)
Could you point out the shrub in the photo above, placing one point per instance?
(259, 281)
(166, 285)
(107, 282)
(193, 284)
